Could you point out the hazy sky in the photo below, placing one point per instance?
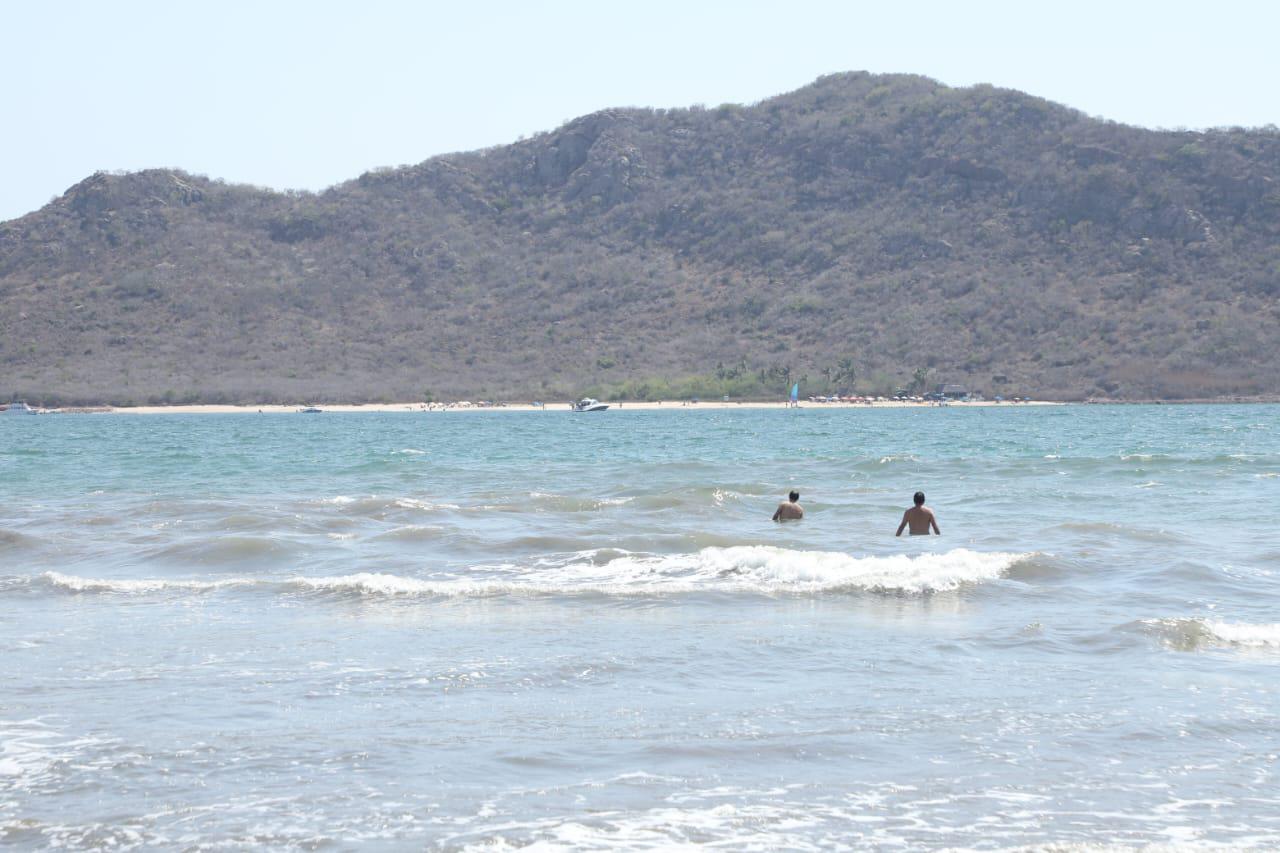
(308, 94)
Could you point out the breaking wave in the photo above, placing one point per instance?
(1193, 633)
(73, 583)
(376, 506)
(750, 569)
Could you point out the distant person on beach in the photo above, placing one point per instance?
(790, 509)
(919, 518)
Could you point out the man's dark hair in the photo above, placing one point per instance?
(795, 496)
(918, 498)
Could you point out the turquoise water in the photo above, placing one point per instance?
(493, 629)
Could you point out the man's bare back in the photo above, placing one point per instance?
(789, 510)
(919, 519)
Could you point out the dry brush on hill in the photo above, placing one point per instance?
(888, 224)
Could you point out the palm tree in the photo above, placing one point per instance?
(846, 373)
(920, 380)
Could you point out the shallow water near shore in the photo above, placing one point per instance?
(383, 631)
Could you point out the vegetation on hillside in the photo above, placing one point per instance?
(855, 233)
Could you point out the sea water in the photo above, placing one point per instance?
(495, 629)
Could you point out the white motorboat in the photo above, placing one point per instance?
(19, 409)
(587, 404)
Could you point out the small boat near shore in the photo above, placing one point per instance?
(310, 410)
(19, 409)
(588, 404)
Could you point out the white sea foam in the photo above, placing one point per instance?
(373, 504)
(1243, 634)
(753, 569)
(566, 503)
(34, 755)
(792, 818)
(906, 457)
(1191, 633)
(371, 583)
(425, 506)
(72, 583)
(24, 749)
(749, 569)
(773, 569)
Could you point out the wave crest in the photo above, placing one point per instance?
(14, 539)
(782, 570)
(759, 569)
(73, 583)
(1193, 633)
(749, 569)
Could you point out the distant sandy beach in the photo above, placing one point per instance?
(447, 408)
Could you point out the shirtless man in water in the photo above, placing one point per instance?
(789, 510)
(919, 518)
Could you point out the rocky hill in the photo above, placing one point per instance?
(863, 233)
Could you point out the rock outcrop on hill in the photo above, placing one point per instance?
(863, 233)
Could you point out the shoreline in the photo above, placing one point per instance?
(665, 405)
(445, 408)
